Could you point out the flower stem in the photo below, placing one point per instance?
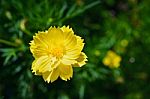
(7, 42)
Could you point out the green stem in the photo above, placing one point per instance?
(27, 32)
(7, 42)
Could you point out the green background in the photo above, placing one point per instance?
(119, 25)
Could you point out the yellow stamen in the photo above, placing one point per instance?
(56, 52)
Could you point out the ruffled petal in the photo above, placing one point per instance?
(51, 76)
(43, 64)
(81, 60)
(69, 38)
(66, 72)
(55, 36)
(39, 44)
(68, 61)
(74, 53)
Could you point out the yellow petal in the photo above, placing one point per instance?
(38, 45)
(39, 41)
(67, 61)
(73, 53)
(81, 60)
(55, 36)
(46, 76)
(51, 76)
(54, 75)
(67, 29)
(106, 61)
(43, 64)
(66, 72)
(69, 38)
(80, 41)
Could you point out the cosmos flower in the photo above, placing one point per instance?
(56, 52)
(112, 60)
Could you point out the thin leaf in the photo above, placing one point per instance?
(85, 8)
(64, 7)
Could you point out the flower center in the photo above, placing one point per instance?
(56, 52)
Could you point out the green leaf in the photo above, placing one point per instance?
(9, 54)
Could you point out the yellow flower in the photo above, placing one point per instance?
(112, 60)
(56, 51)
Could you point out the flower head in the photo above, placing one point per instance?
(56, 51)
(112, 60)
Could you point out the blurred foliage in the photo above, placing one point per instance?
(118, 25)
